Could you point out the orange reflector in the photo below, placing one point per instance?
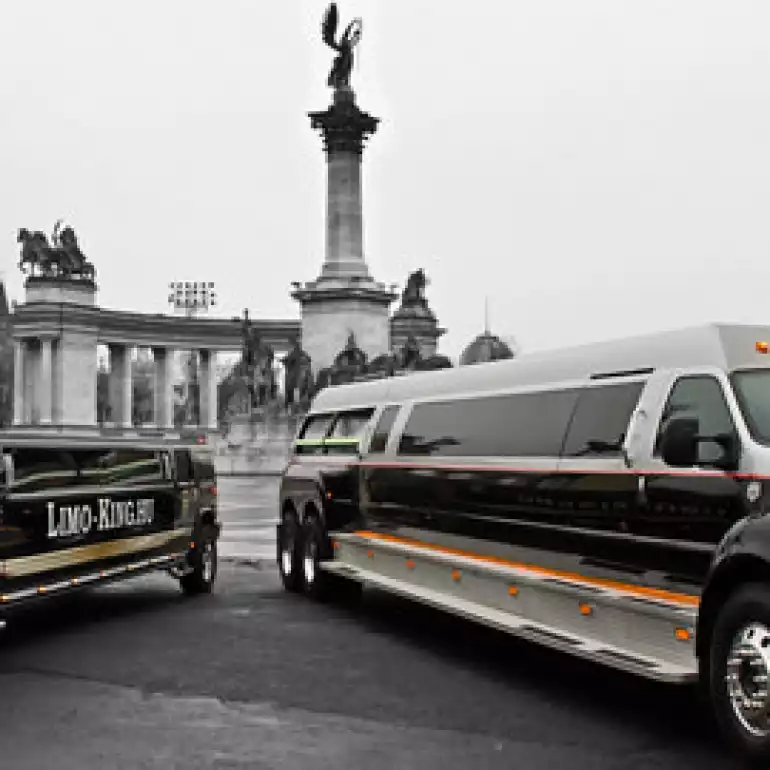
(370, 554)
(336, 544)
(585, 609)
(3, 598)
(409, 564)
(328, 495)
(455, 575)
(762, 347)
(513, 591)
(74, 581)
(682, 634)
(192, 545)
(41, 589)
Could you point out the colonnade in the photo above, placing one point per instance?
(54, 383)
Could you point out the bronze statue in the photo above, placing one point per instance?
(413, 291)
(411, 355)
(60, 259)
(339, 76)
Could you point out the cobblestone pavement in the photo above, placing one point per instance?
(248, 509)
(136, 676)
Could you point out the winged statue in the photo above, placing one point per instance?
(339, 76)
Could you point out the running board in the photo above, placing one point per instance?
(650, 637)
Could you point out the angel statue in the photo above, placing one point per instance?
(339, 77)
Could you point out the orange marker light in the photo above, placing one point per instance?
(370, 554)
(409, 564)
(456, 575)
(513, 591)
(762, 347)
(682, 634)
(585, 609)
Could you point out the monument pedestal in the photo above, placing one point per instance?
(56, 364)
(344, 299)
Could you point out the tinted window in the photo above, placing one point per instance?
(601, 419)
(527, 424)
(38, 469)
(382, 431)
(183, 466)
(702, 398)
(132, 466)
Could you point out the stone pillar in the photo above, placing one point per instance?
(121, 386)
(164, 388)
(344, 128)
(19, 356)
(207, 382)
(46, 382)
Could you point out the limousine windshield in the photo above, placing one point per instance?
(752, 391)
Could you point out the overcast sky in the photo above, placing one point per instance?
(596, 168)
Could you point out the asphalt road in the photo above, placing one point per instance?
(135, 676)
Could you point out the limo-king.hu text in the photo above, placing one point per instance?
(68, 520)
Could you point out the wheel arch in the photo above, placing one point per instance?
(731, 574)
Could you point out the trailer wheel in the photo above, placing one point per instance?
(204, 563)
(290, 553)
(739, 672)
(318, 584)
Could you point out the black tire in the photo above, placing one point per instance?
(290, 553)
(748, 606)
(204, 560)
(316, 583)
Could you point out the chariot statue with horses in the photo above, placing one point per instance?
(60, 258)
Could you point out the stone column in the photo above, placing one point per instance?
(344, 128)
(164, 388)
(121, 386)
(207, 380)
(46, 382)
(19, 355)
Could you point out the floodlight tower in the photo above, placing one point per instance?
(192, 298)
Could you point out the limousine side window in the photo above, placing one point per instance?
(183, 466)
(382, 431)
(699, 396)
(600, 422)
(521, 425)
(36, 469)
(126, 467)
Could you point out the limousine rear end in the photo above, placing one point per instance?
(609, 501)
(79, 512)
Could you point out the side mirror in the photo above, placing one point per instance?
(679, 442)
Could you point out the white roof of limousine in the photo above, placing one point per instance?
(724, 346)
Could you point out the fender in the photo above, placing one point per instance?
(742, 556)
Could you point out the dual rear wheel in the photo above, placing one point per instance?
(302, 549)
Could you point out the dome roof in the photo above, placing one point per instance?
(486, 347)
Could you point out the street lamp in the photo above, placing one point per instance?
(192, 298)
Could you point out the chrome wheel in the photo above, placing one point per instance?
(287, 560)
(207, 563)
(308, 563)
(748, 669)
